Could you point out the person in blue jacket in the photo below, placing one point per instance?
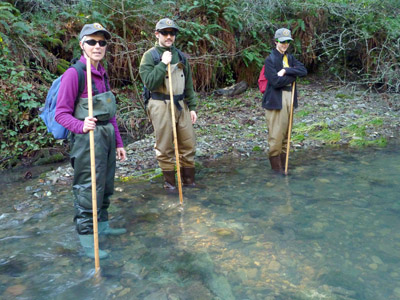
(281, 70)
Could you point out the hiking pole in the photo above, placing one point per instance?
(290, 128)
(93, 169)
(178, 169)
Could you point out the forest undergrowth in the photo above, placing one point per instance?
(227, 41)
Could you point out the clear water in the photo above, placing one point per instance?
(328, 231)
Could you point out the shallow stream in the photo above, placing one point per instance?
(330, 230)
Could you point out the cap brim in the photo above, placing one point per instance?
(285, 39)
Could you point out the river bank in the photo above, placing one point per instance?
(328, 116)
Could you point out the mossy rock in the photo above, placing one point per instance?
(62, 66)
(362, 143)
(343, 96)
(50, 42)
(11, 163)
(51, 159)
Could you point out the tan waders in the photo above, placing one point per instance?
(278, 124)
(160, 115)
(105, 156)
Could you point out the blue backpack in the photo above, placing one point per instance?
(49, 109)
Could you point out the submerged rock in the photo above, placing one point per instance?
(227, 234)
(224, 232)
(16, 290)
(13, 268)
(147, 217)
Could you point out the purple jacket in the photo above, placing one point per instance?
(67, 96)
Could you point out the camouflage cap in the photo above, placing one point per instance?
(89, 29)
(166, 23)
(283, 34)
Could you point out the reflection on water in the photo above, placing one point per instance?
(328, 231)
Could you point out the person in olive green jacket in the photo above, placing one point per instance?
(154, 74)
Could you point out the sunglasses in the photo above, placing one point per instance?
(94, 42)
(284, 42)
(165, 33)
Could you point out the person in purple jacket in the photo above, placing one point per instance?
(72, 113)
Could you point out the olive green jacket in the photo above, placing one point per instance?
(153, 75)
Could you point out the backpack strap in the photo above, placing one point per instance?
(156, 55)
(182, 56)
(80, 67)
(106, 82)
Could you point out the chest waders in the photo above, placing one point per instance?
(160, 115)
(104, 108)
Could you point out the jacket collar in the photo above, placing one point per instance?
(278, 53)
(100, 71)
(162, 49)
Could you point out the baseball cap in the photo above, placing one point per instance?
(283, 34)
(166, 23)
(89, 29)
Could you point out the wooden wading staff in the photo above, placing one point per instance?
(171, 94)
(93, 169)
(290, 128)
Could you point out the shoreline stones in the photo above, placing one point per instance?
(239, 130)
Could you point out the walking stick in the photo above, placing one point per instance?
(93, 170)
(290, 128)
(178, 169)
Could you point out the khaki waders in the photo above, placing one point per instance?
(278, 125)
(159, 112)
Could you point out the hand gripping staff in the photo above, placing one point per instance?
(290, 128)
(93, 170)
(171, 94)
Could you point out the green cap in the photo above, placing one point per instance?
(283, 34)
(166, 23)
(90, 29)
